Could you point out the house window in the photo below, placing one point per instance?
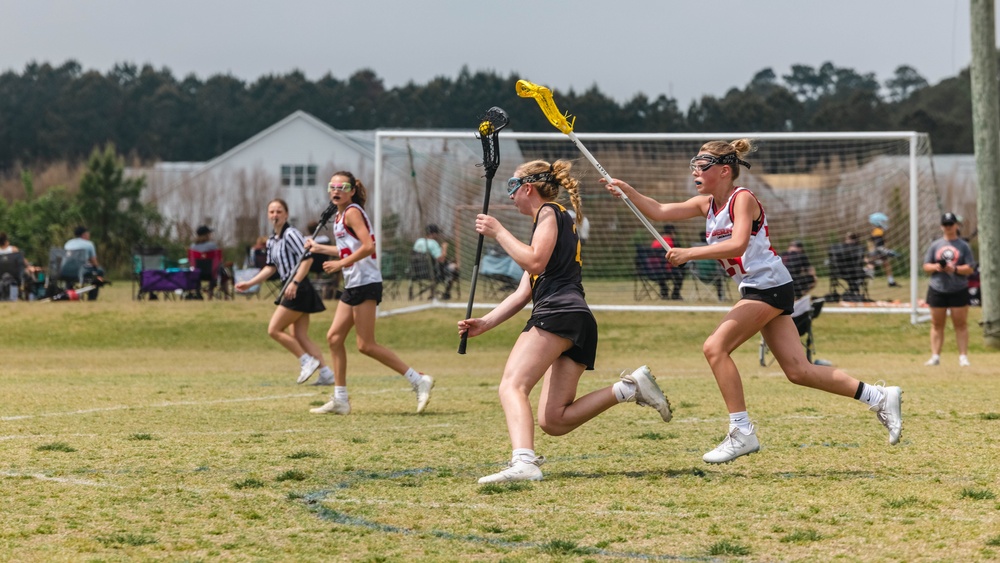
(300, 175)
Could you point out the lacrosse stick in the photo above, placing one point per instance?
(323, 220)
(564, 123)
(489, 129)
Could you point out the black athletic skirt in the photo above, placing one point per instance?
(579, 327)
(306, 299)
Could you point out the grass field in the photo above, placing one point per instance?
(174, 431)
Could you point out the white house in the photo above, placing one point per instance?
(292, 160)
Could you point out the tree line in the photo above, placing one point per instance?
(57, 113)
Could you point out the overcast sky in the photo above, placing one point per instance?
(684, 49)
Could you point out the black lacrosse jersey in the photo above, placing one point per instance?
(559, 288)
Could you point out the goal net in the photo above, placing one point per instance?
(816, 188)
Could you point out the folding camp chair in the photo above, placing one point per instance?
(848, 281)
(499, 273)
(422, 275)
(152, 258)
(806, 309)
(11, 275)
(708, 274)
(207, 263)
(68, 269)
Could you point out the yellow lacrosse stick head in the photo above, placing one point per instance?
(543, 96)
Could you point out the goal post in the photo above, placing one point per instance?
(815, 187)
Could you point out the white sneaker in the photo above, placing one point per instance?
(423, 391)
(889, 412)
(935, 360)
(323, 380)
(517, 471)
(308, 368)
(333, 407)
(735, 445)
(648, 393)
(963, 361)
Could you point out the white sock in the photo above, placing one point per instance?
(891, 280)
(412, 375)
(325, 372)
(304, 358)
(740, 420)
(870, 395)
(624, 391)
(524, 455)
(340, 393)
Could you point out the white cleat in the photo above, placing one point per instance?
(423, 391)
(889, 412)
(322, 381)
(735, 445)
(333, 407)
(963, 361)
(648, 393)
(934, 361)
(308, 368)
(517, 471)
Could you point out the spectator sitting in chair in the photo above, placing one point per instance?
(203, 240)
(7, 248)
(203, 243)
(675, 274)
(92, 270)
(257, 255)
(880, 255)
(438, 249)
(797, 263)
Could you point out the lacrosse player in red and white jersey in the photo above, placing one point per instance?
(737, 236)
(354, 256)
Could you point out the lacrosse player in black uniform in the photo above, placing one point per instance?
(559, 341)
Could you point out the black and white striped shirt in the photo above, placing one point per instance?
(285, 250)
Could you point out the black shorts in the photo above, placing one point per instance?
(781, 297)
(355, 296)
(306, 299)
(579, 328)
(938, 299)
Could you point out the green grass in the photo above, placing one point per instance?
(174, 430)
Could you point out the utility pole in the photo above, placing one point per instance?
(986, 136)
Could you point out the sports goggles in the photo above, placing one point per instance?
(514, 183)
(343, 187)
(709, 160)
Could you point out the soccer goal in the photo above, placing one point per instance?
(815, 187)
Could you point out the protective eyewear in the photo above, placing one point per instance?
(703, 162)
(343, 187)
(514, 183)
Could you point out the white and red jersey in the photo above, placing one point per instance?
(364, 271)
(760, 266)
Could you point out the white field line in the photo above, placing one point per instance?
(66, 480)
(157, 405)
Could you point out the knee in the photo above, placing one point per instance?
(366, 347)
(552, 428)
(713, 351)
(274, 332)
(797, 374)
(334, 340)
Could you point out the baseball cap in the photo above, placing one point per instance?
(203, 230)
(949, 218)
